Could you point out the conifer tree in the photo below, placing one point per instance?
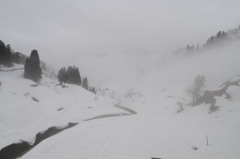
(93, 90)
(78, 77)
(85, 83)
(5, 54)
(32, 69)
(71, 75)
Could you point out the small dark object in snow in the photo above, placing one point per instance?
(35, 99)
(89, 107)
(180, 109)
(60, 109)
(155, 158)
(34, 85)
(213, 108)
(26, 94)
(194, 148)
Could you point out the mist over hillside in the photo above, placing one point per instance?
(119, 79)
(86, 29)
(157, 96)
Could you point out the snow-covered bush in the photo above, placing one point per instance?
(196, 88)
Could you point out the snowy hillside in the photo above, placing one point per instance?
(142, 115)
(28, 108)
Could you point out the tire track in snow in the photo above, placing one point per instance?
(109, 145)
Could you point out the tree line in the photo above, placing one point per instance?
(71, 75)
(8, 56)
(33, 70)
(220, 38)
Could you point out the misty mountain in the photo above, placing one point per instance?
(178, 105)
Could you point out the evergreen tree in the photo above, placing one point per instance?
(34, 57)
(210, 41)
(60, 75)
(27, 68)
(85, 83)
(216, 40)
(5, 54)
(190, 48)
(219, 35)
(32, 69)
(65, 77)
(71, 75)
(8, 56)
(78, 77)
(2, 51)
(93, 90)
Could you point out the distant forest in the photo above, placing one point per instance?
(8, 56)
(219, 39)
(33, 67)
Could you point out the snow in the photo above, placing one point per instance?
(22, 118)
(144, 136)
(165, 126)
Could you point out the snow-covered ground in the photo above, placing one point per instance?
(145, 136)
(165, 126)
(28, 108)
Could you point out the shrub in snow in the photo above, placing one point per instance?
(196, 89)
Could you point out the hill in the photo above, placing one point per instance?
(148, 114)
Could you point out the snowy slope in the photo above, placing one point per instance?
(154, 132)
(28, 108)
(143, 137)
(165, 126)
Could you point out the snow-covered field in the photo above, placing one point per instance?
(28, 108)
(164, 126)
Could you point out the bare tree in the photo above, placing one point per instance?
(196, 89)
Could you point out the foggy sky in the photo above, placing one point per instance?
(72, 30)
